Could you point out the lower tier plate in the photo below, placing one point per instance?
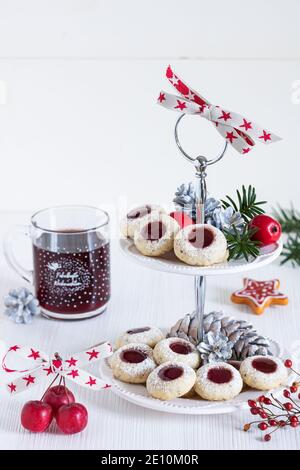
(138, 394)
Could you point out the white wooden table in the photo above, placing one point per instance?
(143, 297)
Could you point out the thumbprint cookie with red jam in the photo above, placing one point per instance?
(178, 350)
(201, 245)
(263, 372)
(218, 381)
(145, 334)
(155, 235)
(132, 363)
(132, 221)
(170, 380)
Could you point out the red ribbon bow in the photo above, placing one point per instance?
(50, 365)
(240, 132)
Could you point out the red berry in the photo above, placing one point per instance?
(262, 426)
(36, 416)
(288, 406)
(293, 389)
(254, 411)
(72, 418)
(286, 393)
(282, 423)
(263, 415)
(294, 424)
(267, 401)
(182, 219)
(294, 419)
(58, 396)
(251, 403)
(288, 363)
(267, 437)
(273, 422)
(261, 399)
(268, 229)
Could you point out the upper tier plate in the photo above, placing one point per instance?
(171, 264)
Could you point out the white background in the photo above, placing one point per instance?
(79, 124)
(79, 80)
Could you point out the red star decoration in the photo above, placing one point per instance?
(202, 107)
(14, 348)
(107, 386)
(74, 373)
(230, 136)
(161, 97)
(181, 105)
(246, 150)
(259, 294)
(93, 354)
(48, 370)
(225, 116)
(12, 387)
(246, 124)
(30, 380)
(57, 363)
(91, 382)
(34, 354)
(71, 361)
(266, 136)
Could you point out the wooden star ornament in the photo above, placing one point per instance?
(259, 295)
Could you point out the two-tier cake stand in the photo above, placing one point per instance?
(169, 263)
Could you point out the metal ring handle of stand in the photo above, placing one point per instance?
(196, 160)
(200, 163)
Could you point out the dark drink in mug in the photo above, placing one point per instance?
(71, 261)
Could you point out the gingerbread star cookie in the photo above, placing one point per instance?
(259, 295)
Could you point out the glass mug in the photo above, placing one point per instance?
(71, 260)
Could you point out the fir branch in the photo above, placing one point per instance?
(291, 250)
(240, 245)
(289, 219)
(246, 203)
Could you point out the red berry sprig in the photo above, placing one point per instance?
(273, 413)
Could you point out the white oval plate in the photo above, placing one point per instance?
(171, 264)
(138, 394)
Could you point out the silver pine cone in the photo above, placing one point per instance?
(21, 305)
(215, 347)
(244, 338)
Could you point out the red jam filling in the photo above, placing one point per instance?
(267, 366)
(133, 356)
(219, 375)
(138, 330)
(169, 373)
(201, 237)
(154, 231)
(139, 212)
(180, 348)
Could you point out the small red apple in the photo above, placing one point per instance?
(36, 416)
(72, 418)
(57, 396)
(268, 229)
(181, 218)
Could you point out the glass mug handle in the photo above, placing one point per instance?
(26, 274)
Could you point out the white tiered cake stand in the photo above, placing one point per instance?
(171, 264)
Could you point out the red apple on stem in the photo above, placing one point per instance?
(57, 396)
(182, 218)
(36, 416)
(72, 418)
(268, 229)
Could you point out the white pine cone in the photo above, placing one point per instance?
(241, 336)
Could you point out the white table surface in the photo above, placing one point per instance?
(140, 297)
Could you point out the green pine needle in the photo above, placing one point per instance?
(291, 250)
(240, 244)
(246, 203)
(288, 218)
